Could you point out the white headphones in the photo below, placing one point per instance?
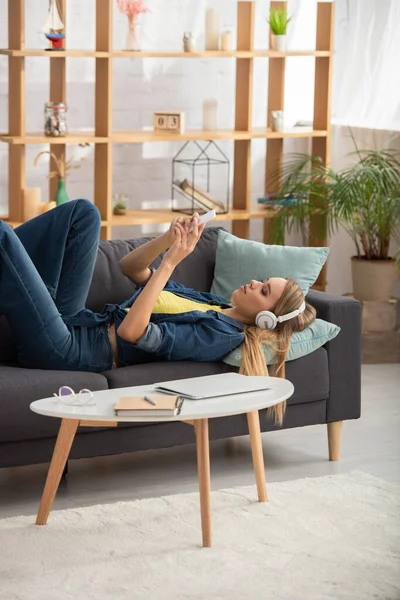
(268, 320)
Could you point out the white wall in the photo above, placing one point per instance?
(143, 171)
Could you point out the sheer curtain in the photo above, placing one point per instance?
(366, 83)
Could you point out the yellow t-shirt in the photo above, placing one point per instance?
(171, 304)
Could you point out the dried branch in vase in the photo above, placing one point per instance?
(62, 168)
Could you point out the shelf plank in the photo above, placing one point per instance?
(128, 137)
(156, 216)
(167, 136)
(262, 53)
(220, 134)
(147, 217)
(163, 53)
(55, 53)
(74, 137)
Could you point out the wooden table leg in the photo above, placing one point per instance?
(203, 467)
(253, 421)
(62, 448)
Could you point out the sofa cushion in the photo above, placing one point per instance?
(8, 350)
(309, 374)
(109, 285)
(303, 342)
(19, 387)
(238, 261)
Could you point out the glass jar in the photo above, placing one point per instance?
(55, 119)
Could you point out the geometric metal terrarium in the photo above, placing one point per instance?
(200, 179)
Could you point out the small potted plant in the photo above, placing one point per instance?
(278, 21)
(61, 170)
(120, 208)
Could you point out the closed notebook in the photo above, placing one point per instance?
(130, 406)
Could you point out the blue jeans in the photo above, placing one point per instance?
(46, 267)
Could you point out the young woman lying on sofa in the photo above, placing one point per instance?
(46, 267)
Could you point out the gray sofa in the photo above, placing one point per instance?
(327, 382)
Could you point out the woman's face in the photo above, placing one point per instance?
(256, 296)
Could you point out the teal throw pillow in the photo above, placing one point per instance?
(238, 261)
(303, 342)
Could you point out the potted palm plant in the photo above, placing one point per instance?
(364, 198)
(278, 21)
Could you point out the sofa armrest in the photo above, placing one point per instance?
(344, 354)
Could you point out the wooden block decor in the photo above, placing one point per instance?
(173, 121)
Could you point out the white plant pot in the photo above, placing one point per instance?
(278, 42)
(373, 279)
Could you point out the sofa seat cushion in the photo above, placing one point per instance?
(310, 377)
(308, 374)
(19, 387)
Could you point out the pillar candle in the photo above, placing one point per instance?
(45, 206)
(212, 29)
(210, 115)
(227, 40)
(32, 201)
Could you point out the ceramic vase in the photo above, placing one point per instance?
(61, 194)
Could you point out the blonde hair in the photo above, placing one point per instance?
(278, 339)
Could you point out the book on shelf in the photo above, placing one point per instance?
(132, 406)
(198, 196)
(277, 200)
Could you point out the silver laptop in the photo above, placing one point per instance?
(225, 384)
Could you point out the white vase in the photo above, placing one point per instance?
(278, 42)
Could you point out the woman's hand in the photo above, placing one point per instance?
(184, 243)
(185, 221)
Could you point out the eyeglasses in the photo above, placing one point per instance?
(66, 395)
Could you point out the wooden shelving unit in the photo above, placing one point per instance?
(103, 137)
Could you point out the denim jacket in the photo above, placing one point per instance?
(197, 336)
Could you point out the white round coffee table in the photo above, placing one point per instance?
(194, 412)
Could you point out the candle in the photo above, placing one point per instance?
(45, 206)
(212, 29)
(32, 201)
(227, 40)
(210, 114)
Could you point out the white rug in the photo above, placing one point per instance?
(334, 537)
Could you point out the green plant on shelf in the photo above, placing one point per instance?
(120, 206)
(278, 21)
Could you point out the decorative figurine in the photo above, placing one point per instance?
(189, 42)
(53, 27)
